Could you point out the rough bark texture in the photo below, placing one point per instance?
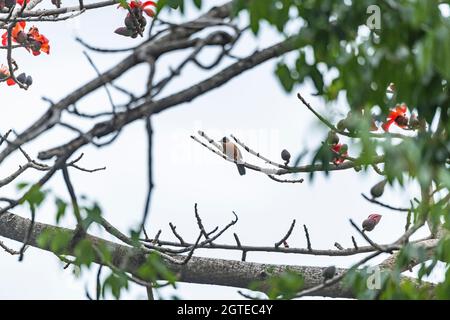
(198, 270)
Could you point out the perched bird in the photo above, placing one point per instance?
(329, 273)
(371, 221)
(233, 152)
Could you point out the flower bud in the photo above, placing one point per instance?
(341, 126)
(124, 32)
(329, 272)
(22, 78)
(142, 21)
(285, 155)
(371, 221)
(136, 11)
(29, 81)
(378, 189)
(129, 22)
(368, 225)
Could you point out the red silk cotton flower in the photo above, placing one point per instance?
(5, 75)
(148, 6)
(32, 41)
(340, 153)
(37, 42)
(397, 116)
(17, 34)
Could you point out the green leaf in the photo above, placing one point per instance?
(94, 214)
(281, 286)
(61, 206)
(34, 196)
(124, 4)
(21, 185)
(284, 74)
(115, 283)
(84, 252)
(55, 240)
(198, 3)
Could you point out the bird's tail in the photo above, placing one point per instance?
(241, 169)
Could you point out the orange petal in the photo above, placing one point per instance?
(149, 12)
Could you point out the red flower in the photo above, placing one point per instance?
(340, 152)
(4, 74)
(37, 42)
(148, 6)
(17, 34)
(397, 116)
(33, 41)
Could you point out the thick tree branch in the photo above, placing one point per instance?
(197, 270)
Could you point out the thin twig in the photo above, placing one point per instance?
(291, 228)
(355, 245)
(177, 235)
(383, 204)
(308, 241)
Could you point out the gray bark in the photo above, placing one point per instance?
(198, 270)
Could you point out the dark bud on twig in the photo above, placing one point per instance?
(329, 273)
(378, 189)
(29, 81)
(370, 223)
(332, 138)
(137, 12)
(124, 32)
(129, 22)
(286, 156)
(142, 21)
(341, 125)
(22, 78)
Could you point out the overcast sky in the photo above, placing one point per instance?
(252, 106)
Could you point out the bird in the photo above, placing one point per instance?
(233, 152)
(371, 221)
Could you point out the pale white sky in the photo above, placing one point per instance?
(253, 107)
